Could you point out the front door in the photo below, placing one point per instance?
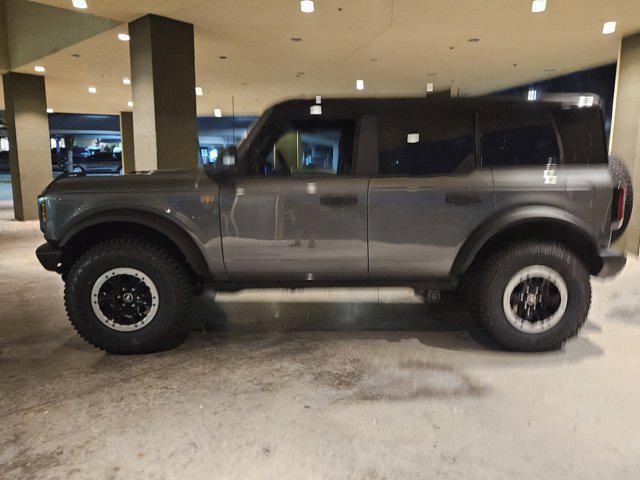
(298, 214)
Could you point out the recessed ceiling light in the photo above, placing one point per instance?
(199, 91)
(315, 110)
(532, 94)
(39, 68)
(429, 87)
(126, 80)
(49, 110)
(217, 112)
(318, 99)
(306, 6)
(92, 89)
(129, 103)
(608, 28)
(538, 6)
(124, 37)
(79, 4)
(360, 84)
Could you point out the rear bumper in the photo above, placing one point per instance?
(613, 261)
(50, 256)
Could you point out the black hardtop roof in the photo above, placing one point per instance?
(366, 105)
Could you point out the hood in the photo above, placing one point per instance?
(154, 181)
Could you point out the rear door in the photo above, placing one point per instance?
(299, 214)
(429, 194)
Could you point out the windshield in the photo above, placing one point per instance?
(252, 131)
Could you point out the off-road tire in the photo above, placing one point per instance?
(166, 330)
(619, 173)
(488, 278)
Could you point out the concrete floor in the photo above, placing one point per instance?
(331, 384)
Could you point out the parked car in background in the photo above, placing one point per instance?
(59, 159)
(100, 163)
(513, 203)
(89, 162)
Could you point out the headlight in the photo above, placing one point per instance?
(42, 212)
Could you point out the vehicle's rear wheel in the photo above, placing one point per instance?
(128, 296)
(531, 296)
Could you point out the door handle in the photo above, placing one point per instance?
(338, 200)
(462, 199)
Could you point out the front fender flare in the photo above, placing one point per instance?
(169, 228)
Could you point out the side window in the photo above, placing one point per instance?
(581, 134)
(310, 149)
(429, 142)
(518, 137)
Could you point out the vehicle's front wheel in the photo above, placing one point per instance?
(127, 296)
(530, 297)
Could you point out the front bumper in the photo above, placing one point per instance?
(613, 261)
(50, 256)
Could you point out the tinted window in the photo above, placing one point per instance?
(518, 136)
(310, 149)
(430, 142)
(581, 134)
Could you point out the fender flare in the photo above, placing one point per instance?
(518, 217)
(167, 227)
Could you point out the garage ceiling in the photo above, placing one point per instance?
(397, 47)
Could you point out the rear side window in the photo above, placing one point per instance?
(581, 134)
(518, 136)
(426, 142)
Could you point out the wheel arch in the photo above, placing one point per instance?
(544, 223)
(114, 223)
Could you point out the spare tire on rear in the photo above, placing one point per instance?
(620, 174)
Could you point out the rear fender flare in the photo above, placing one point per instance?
(519, 217)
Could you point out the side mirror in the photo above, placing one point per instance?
(229, 157)
(226, 167)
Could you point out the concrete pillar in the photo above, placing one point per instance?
(625, 127)
(126, 138)
(163, 81)
(29, 144)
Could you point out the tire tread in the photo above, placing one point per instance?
(477, 291)
(173, 334)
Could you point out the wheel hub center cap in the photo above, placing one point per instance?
(535, 299)
(124, 299)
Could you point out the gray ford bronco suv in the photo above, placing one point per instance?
(513, 203)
